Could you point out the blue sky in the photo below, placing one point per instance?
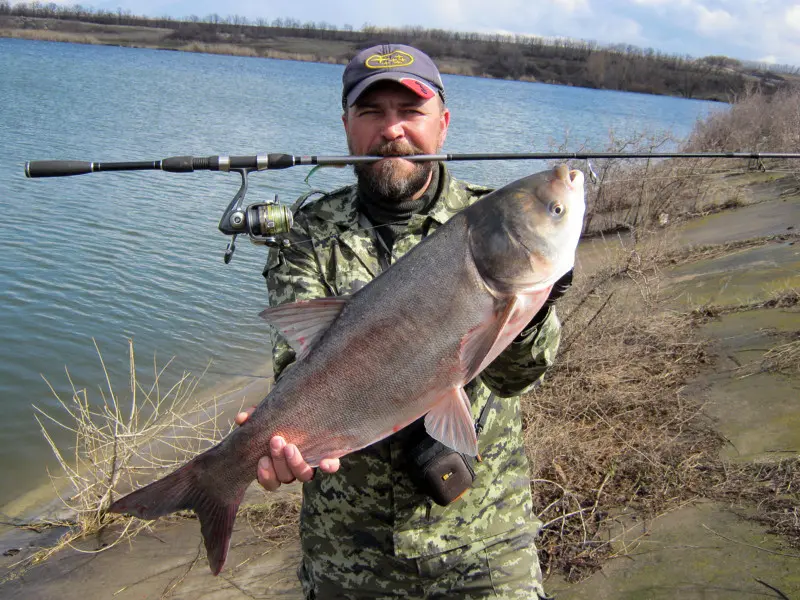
(759, 30)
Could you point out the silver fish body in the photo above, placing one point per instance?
(401, 347)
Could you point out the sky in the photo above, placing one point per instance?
(766, 31)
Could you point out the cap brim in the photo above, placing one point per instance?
(419, 86)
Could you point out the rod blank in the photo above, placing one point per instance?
(188, 164)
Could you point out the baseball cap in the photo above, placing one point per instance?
(395, 62)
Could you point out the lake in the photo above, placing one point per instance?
(112, 256)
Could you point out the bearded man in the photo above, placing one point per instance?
(374, 524)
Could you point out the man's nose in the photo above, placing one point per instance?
(393, 128)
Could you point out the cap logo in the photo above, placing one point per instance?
(395, 59)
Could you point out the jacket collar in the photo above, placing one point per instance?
(354, 232)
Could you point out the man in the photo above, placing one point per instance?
(368, 527)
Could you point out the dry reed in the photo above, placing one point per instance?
(49, 36)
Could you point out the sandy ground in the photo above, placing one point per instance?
(701, 550)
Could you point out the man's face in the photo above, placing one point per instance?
(391, 120)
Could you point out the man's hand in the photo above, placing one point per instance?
(560, 288)
(285, 463)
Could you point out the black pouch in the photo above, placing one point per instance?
(438, 471)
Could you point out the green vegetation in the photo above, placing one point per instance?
(529, 58)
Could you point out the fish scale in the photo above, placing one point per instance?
(401, 347)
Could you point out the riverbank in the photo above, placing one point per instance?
(716, 541)
(579, 64)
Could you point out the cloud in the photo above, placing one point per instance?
(792, 17)
(572, 6)
(713, 21)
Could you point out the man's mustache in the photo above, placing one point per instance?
(395, 149)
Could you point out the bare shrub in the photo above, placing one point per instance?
(120, 444)
(638, 195)
(755, 122)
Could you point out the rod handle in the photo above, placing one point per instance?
(56, 168)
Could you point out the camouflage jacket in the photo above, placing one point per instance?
(371, 499)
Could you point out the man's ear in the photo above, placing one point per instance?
(445, 120)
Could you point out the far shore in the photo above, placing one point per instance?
(473, 55)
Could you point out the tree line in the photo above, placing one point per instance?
(551, 60)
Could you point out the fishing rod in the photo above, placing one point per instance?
(265, 221)
(262, 162)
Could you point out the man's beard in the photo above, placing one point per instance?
(384, 180)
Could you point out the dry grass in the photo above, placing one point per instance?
(755, 122)
(120, 442)
(274, 522)
(640, 195)
(784, 358)
(784, 299)
(230, 49)
(712, 251)
(610, 431)
(768, 492)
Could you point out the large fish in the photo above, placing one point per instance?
(401, 347)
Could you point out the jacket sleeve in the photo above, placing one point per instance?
(292, 274)
(523, 364)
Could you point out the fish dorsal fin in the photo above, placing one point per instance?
(450, 422)
(484, 343)
(303, 323)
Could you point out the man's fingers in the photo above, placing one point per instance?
(329, 465)
(279, 462)
(297, 465)
(285, 464)
(266, 475)
(244, 415)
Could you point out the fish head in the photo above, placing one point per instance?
(523, 236)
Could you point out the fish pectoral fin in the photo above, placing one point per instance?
(450, 422)
(303, 323)
(485, 343)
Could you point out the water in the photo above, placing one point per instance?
(137, 255)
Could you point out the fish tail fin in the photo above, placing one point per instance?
(184, 490)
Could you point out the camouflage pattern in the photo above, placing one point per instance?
(502, 566)
(369, 512)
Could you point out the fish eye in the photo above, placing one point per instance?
(556, 209)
